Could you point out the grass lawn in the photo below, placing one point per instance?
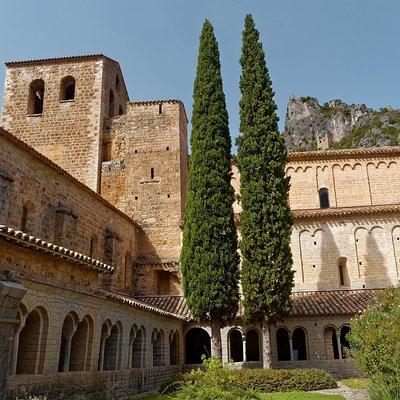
(270, 396)
(356, 383)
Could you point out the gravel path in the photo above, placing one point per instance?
(347, 393)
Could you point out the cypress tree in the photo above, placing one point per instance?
(209, 258)
(266, 220)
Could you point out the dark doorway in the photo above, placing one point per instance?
(252, 346)
(235, 346)
(283, 345)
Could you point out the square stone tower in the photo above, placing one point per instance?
(146, 173)
(60, 107)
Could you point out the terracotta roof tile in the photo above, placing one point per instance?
(345, 153)
(305, 304)
(168, 310)
(345, 211)
(173, 304)
(57, 59)
(25, 240)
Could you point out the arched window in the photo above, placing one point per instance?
(283, 344)
(331, 343)
(252, 346)
(93, 246)
(32, 343)
(81, 345)
(323, 198)
(173, 348)
(344, 343)
(197, 344)
(111, 104)
(299, 344)
(67, 88)
(235, 345)
(138, 337)
(36, 97)
(65, 345)
(110, 347)
(158, 348)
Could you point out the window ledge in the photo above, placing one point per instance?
(34, 115)
(151, 181)
(66, 101)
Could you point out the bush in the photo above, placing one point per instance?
(246, 381)
(375, 344)
(284, 380)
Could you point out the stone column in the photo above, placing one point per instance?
(11, 294)
(244, 348)
(339, 346)
(291, 349)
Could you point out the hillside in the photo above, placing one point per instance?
(337, 125)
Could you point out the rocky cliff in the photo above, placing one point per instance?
(335, 124)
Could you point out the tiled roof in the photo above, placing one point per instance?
(173, 304)
(335, 302)
(57, 59)
(147, 304)
(305, 304)
(25, 240)
(345, 211)
(345, 153)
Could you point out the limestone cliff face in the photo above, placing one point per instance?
(335, 124)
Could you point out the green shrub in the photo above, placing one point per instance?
(375, 344)
(281, 380)
(247, 381)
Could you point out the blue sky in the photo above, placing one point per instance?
(348, 49)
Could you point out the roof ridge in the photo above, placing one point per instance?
(56, 59)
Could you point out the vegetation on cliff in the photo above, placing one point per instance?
(209, 258)
(382, 130)
(266, 221)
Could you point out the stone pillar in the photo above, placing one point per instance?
(291, 349)
(339, 346)
(244, 348)
(11, 294)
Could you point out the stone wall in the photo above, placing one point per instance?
(69, 132)
(146, 176)
(47, 203)
(352, 252)
(121, 385)
(353, 178)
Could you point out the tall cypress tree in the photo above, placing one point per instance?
(266, 220)
(209, 258)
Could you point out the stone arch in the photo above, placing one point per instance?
(323, 195)
(36, 97)
(32, 342)
(81, 345)
(344, 343)
(299, 343)
(157, 339)
(197, 345)
(137, 347)
(343, 272)
(67, 332)
(67, 88)
(235, 345)
(174, 348)
(283, 344)
(110, 346)
(252, 345)
(331, 343)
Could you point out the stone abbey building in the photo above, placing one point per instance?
(92, 195)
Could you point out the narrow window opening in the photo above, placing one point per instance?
(152, 173)
(24, 218)
(36, 97)
(160, 109)
(324, 198)
(117, 84)
(167, 148)
(120, 110)
(111, 104)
